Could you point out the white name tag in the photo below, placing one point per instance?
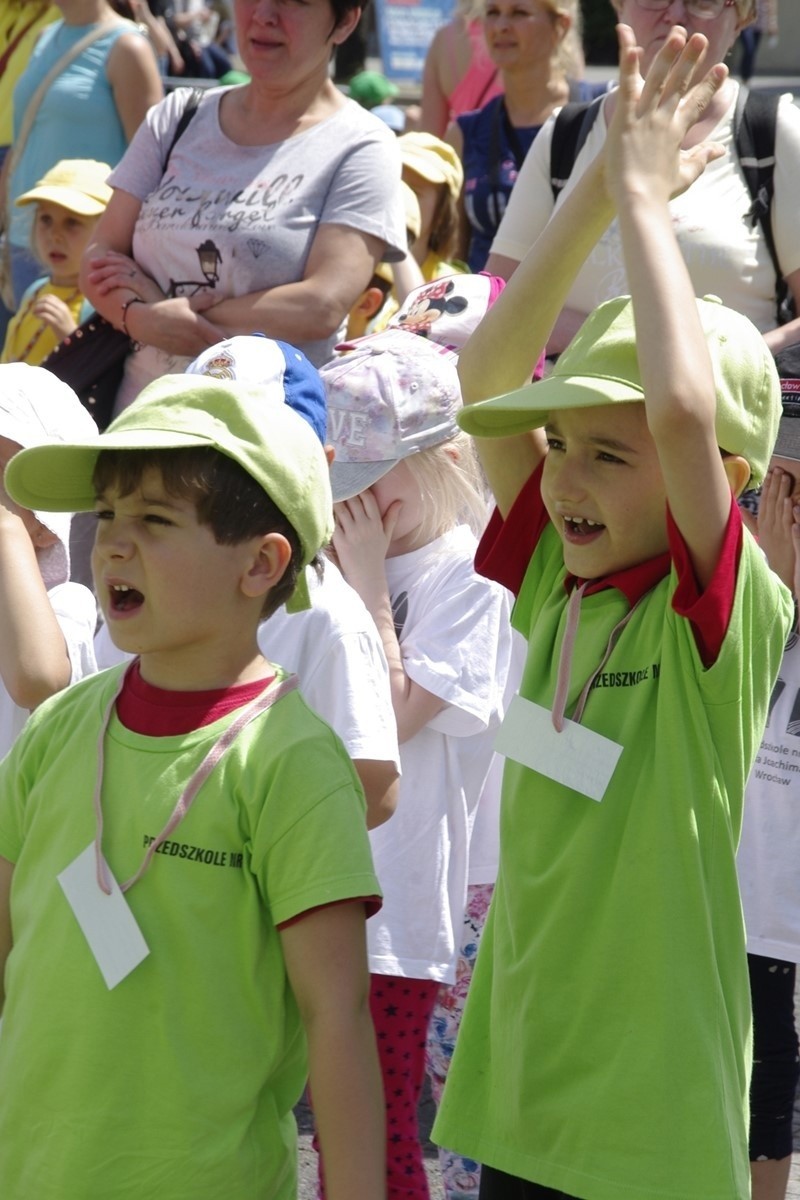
(107, 922)
(577, 757)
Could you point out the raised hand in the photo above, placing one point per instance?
(777, 522)
(652, 117)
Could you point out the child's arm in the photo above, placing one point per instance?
(361, 538)
(501, 354)
(325, 954)
(34, 663)
(6, 871)
(642, 162)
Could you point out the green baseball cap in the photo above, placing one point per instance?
(252, 424)
(370, 88)
(601, 366)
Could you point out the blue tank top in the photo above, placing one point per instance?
(493, 154)
(76, 119)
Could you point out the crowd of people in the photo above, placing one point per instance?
(434, 605)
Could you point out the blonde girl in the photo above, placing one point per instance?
(68, 200)
(409, 505)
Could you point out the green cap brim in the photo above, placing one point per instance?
(58, 478)
(531, 406)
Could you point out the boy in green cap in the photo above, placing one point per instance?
(185, 867)
(604, 1049)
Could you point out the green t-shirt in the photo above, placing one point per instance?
(604, 1049)
(180, 1082)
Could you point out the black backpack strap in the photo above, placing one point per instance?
(192, 105)
(570, 131)
(754, 123)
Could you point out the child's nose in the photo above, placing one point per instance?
(111, 541)
(569, 480)
(266, 11)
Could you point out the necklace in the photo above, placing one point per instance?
(43, 326)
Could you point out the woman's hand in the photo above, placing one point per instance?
(652, 117)
(176, 325)
(54, 312)
(776, 524)
(115, 270)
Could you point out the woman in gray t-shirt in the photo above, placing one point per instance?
(272, 210)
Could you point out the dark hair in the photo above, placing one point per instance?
(384, 286)
(227, 499)
(342, 8)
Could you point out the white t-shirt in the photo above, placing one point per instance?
(725, 255)
(76, 612)
(455, 637)
(769, 851)
(336, 653)
(229, 220)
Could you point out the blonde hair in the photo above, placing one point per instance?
(452, 485)
(570, 49)
(570, 53)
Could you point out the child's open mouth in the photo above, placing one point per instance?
(580, 530)
(124, 599)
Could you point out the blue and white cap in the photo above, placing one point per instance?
(282, 370)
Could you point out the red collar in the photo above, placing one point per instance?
(633, 582)
(156, 712)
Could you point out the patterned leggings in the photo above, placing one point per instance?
(461, 1176)
(401, 1009)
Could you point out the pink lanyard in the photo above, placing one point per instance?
(274, 691)
(566, 653)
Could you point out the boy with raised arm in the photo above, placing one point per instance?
(604, 1049)
(185, 870)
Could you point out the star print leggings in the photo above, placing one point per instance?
(401, 1009)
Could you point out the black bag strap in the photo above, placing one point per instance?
(192, 105)
(570, 131)
(755, 120)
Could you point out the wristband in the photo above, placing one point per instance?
(123, 318)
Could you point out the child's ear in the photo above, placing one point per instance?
(370, 301)
(42, 537)
(271, 557)
(564, 24)
(738, 471)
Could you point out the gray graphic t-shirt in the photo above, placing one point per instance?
(236, 219)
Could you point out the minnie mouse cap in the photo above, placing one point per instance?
(445, 311)
(391, 397)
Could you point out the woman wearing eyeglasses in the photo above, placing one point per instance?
(726, 254)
